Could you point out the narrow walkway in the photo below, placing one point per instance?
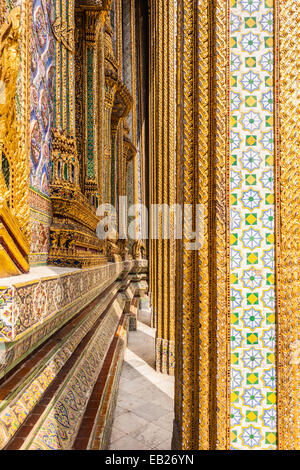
(144, 414)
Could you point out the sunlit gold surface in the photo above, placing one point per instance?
(13, 199)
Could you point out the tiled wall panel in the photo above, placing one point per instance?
(253, 383)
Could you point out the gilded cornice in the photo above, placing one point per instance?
(91, 20)
(96, 13)
(100, 5)
(67, 198)
(71, 203)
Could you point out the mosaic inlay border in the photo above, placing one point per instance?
(253, 369)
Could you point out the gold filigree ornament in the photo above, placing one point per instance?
(63, 34)
(73, 240)
(14, 187)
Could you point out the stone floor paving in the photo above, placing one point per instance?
(144, 414)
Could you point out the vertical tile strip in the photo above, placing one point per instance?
(252, 265)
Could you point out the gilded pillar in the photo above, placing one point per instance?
(15, 36)
(100, 106)
(91, 136)
(118, 103)
(163, 103)
(192, 383)
(122, 175)
(63, 30)
(134, 95)
(89, 94)
(152, 161)
(287, 229)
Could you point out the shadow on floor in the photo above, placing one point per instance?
(144, 414)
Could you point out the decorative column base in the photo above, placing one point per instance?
(165, 356)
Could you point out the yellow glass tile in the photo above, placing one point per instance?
(233, 278)
(234, 358)
(271, 279)
(251, 179)
(252, 338)
(271, 318)
(233, 239)
(232, 80)
(250, 101)
(234, 397)
(252, 299)
(271, 438)
(250, 62)
(232, 159)
(233, 121)
(270, 160)
(271, 358)
(251, 140)
(269, 81)
(269, 41)
(251, 219)
(251, 416)
(271, 238)
(252, 379)
(252, 258)
(232, 199)
(250, 22)
(232, 42)
(272, 398)
(270, 199)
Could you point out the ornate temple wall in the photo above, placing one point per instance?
(43, 71)
(162, 117)
(42, 93)
(15, 131)
(60, 327)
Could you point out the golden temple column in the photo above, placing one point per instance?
(287, 186)
(120, 131)
(202, 284)
(134, 95)
(152, 191)
(163, 107)
(89, 95)
(15, 226)
(191, 427)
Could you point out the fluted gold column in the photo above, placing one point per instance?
(163, 112)
(202, 282)
(287, 76)
(192, 375)
(120, 131)
(152, 260)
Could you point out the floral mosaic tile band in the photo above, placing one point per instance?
(253, 382)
